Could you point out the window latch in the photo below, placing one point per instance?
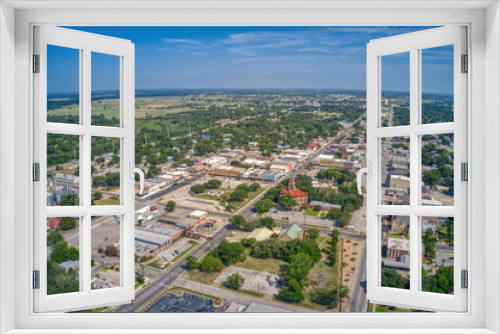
(36, 279)
(139, 171)
(465, 64)
(464, 171)
(36, 172)
(36, 63)
(465, 279)
(367, 170)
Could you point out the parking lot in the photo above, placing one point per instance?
(299, 218)
(259, 281)
(187, 302)
(177, 248)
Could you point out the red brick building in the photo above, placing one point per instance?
(298, 195)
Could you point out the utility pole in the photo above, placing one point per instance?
(145, 140)
(74, 152)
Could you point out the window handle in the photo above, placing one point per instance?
(139, 171)
(367, 170)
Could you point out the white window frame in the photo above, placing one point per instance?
(484, 49)
(85, 44)
(413, 44)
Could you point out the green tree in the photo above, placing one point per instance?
(98, 195)
(313, 233)
(329, 297)
(272, 194)
(238, 195)
(432, 177)
(287, 202)
(69, 200)
(211, 264)
(235, 281)
(333, 214)
(264, 205)
(243, 187)
(67, 223)
(255, 186)
(54, 237)
(292, 292)
(267, 222)
(237, 220)
(213, 184)
(229, 252)
(392, 279)
(248, 242)
(170, 206)
(111, 250)
(197, 189)
(191, 262)
(317, 208)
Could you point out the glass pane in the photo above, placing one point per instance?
(63, 170)
(105, 171)
(395, 99)
(437, 170)
(105, 243)
(437, 84)
(437, 254)
(395, 160)
(395, 251)
(105, 107)
(63, 255)
(63, 85)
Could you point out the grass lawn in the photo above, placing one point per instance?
(385, 308)
(251, 196)
(92, 310)
(107, 201)
(311, 212)
(207, 196)
(245, 291)
(270, 265)
(202, 277)
(156, 265)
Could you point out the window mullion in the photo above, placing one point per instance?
(85, 180)
(414, 168)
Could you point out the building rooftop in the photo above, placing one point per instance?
(326, 205)
(292, 231)
(255, 307)
(152, 237)
(401, 244)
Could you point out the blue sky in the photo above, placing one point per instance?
(250, 57)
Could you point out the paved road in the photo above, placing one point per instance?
(357, 295)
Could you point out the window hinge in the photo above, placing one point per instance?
(464, 171)
(465, 64)
(465, 279)
(36, 63)
(36, 172)
(36, 279)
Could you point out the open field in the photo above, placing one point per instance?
(271, 265)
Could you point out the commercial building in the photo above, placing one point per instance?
(172, 217)
(227, 171)
(71, 179)
(399, 182)
(396, 248)
(214, 161)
